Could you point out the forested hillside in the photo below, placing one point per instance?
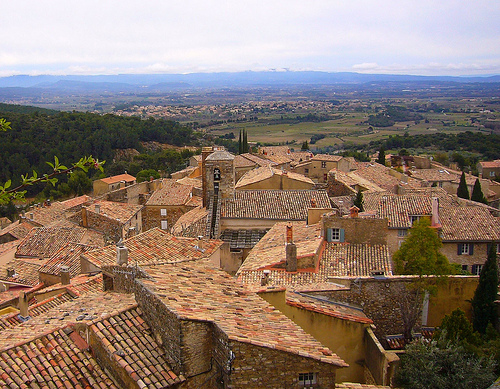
(37, 137)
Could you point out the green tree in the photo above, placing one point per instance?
(420, 252)
(425, 365)
(305, 146)
(381, 156)
(484, 310)
(359, 201)
(240, 144)
(456, 328)
(245, 141)
(79, 183)
(145, 175)
(463, 191)
(477, 193)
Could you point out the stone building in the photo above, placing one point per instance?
(318, 166)
(271, 178)
(104, 185)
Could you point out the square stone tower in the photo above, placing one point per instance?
(218, 175)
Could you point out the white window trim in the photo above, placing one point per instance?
(164, 225)
(465, 248)
(163, 212)
(335, 234)
(307, 379)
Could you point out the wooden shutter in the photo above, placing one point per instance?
(471, 248)
(342, 235)
(459, 249)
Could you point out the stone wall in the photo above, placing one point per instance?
(336, 188)
(359, 230)
(261, 367)
(479, 256)
(134, 194)
(151, 215)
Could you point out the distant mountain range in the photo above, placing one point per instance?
(164, 82)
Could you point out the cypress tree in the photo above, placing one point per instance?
(381, 156)
(484, 310)
(462, 190)
(245, 142)
(240, 145)
(358, 201)
(477, 193)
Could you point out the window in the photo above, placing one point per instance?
(307, 379)
(323, 164)
(334, 235)
(492, 174)
(465, 249)
(306, 171)
(440, 184)
(414, 218)
(163, 212)
(476, 269)
(164, 224)
(325, 177)
(465, 267)
(402, 233)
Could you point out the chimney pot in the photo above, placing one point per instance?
(291, 257)
(32, 216)
(354, 211)
(23, 305)
(313, 203)
(122, 255)
(97, 208)
(10, 272)
(289, 233)
(65, 275)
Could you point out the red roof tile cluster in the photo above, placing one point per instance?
(171, 193)
(44, 242)
(273, 204)
(156, 246)
(122, 212)
(265, 173)
(196, 290)
(127, 340)
(118, 178)
(24, 272)
(192, 224)
(69, 255)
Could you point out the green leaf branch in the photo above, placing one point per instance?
(7, 193)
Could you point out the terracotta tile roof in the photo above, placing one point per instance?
(242, 239)
(326, 307)
(156, 246)
(25, 272)
(75, 202)
(118, 178)
(68, 255)
(264, 173)
(126, 338)
(171, 193)
(9, 246)
(241, 162)
(327, 157)
(220, 155)
(490, 164)
(435, 175)
(273, 204)
(46, 215)
(194, 182)
(335, 259)
(197, 290)
(352, 180)
(270, 250)
(43, 242)
(279, 159)
(122, 212)
(54, 360)
(257, 159)
(191, 224)
(468, 223)
(83, 309)
(380, 176)
(19, 229)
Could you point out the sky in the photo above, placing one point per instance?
(421, 37)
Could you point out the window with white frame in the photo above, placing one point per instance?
(492, 174)
(476, 269)
(164, 224)
(163, 212)
(323, 164)
(465, 250)
(307, 379)
(335, 234)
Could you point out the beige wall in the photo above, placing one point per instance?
(343, 337)
(359, 230)
(152, 215)
(278, 182)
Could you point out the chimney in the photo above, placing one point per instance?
(354, 211)
(435, 222)
(23, 306)
(121, 255)
(10, 272)
(65, 276)
(97, 208)
(313, 203)
(289, 233)
(291, 257)
(205, 152)
(85, 222)
(32, 216)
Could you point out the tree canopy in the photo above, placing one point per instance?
(462, 190)
(477, 193)
(420, 252)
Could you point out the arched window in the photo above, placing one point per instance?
(216, 174)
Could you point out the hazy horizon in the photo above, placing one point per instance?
(448, 38)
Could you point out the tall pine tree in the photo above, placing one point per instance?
(462, 190)
(484, 310)
(477, 193)
(359, 202)
(381, 156)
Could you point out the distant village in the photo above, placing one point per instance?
(258, 270)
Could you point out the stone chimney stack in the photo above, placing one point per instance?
(121, 255)
(85, 222)
(354, 211)
(65, 275)
(23, 305)
(97, 208)
(291, 251)
(313, 203)
(205, 152)
(435, 222)
(265, 278)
